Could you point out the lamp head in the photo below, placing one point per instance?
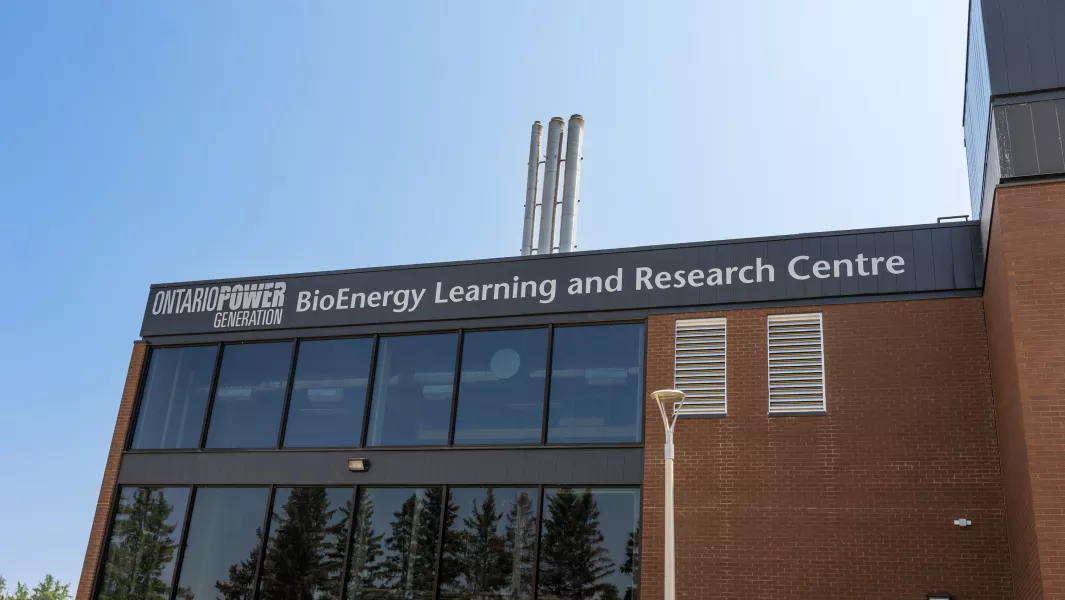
(667, 397)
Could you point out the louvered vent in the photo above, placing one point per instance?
(699, 368)
(796, 364)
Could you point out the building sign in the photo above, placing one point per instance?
(873, 262)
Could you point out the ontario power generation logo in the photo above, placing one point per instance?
(236, 305)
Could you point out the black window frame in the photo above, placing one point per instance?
(371, 385)
(356, 489)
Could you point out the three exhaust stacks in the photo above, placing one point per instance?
(567, 231)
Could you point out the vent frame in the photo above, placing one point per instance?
(700, 366)
(795, 359)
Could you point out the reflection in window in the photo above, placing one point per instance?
(489, 546)
(412, 390)
(174, 397)
(589, 546)
(394, 548)
(329, 393)
(596, 379)
(250, 395)
(305, 551)
(144, 543)
(222, 550)
(501, 387)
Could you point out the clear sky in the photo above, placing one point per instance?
(149, 142)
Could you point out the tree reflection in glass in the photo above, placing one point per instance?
(144, 541)
(585, 547)
(305, 551)
(396, 559)
(488, 550)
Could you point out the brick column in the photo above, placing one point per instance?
(1025, 311)
(114, 459)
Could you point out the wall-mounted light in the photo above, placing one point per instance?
(358, 465)
(963, 522)
(940, 597)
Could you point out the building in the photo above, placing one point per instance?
(881, 411)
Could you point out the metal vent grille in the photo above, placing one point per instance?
(796, 364)
(699, 367)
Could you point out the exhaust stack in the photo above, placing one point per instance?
(550, 193)
(567, 235)
(530, 190)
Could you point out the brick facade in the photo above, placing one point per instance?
(114, 458)
(1025, 305)
(858, 503)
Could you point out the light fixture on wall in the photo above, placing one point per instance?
(940, 597)
(358, 465)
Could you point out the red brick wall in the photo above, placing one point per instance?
(114, 457)
(855, 504)
(1025, 304)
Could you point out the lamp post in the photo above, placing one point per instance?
(676, 398)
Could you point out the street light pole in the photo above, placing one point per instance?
(676, 398)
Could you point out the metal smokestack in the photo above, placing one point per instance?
(571, 190)
(530, 190)
(550, 193)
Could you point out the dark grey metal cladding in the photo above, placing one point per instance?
(1028, 135)
(642, 278)
(1025, 44)
(498, 466)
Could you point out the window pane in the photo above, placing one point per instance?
(305, 551)
(590, 544)
(489, 545)
(412, 390)
(144, 542)
(329, 393)
(222, 550)
(174, 397)
(501, 390)
(393, 553)
(596, 384)
(249, 396)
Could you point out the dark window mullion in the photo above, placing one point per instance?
(185, 525)
(455, 390)
(440, 538)
(288, 393)
(263, 543)
(536, 549)
(352, 521)
(135, 415)
(547, 382)
(370, 382)
(210, 397)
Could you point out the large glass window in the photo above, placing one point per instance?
(305, 551)
(222, 550)
(490, 544)
(394, 549)
(144, 542)
(412, 393)
(329, 393)
(596, 384)
(174, 397)
(249, 396)
(501, 387)
(590, 544)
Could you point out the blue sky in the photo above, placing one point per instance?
(148, 142)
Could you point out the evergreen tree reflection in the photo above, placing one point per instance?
(143, 546)
(574, 564)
